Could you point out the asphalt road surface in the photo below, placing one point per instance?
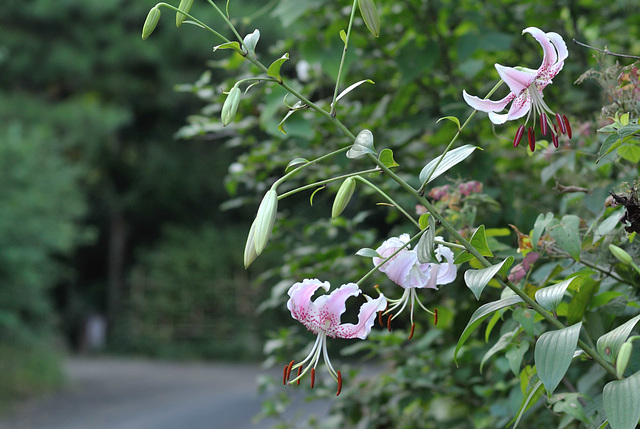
(108, 393)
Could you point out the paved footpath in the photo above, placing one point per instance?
(112, 393)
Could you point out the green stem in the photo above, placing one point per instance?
(453, 140)
(315, 161)
(197, 21)
(324, 182)
(344, 55)
(384, 261)
(388, 198)
(231, 26)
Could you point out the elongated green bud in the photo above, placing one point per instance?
(265, 219)
(150, 23)
(230, 106)
(250, 254)
(343, 197)
(370, 16)
(622, 361)
(620, 254)
(185, 6)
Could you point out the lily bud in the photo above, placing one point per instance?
(185, 6)
(370, 16)
(265, 219)
(250, 253)
(343, 197)
(150, 23)
(230, 106)
(620, 254)
(622, 361)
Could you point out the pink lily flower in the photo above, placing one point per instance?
(322, 317)
(526, 87)
(405, 270)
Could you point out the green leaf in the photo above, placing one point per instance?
(532, 398)
(352, 87)
(368, 253)
(478, 317)
(630, 152)
(424, 220)
(295, 163)
(451, 158)
(610, 144)
(274, 68)
(386, 157)
(424, 248)
(515, 355)
(476, 280)
(362, 145)
(229, 45)
(621, 400)
(606, 226)
(452, 119)
(609, 344)
(343, 36)
(314, 193)
(569, 403)
(500, 345)
(538, 228)
(479, 241)
(251, 40)
(580, 301)
(550, 297)
(566, 235)
(553, 354)
(370, 16)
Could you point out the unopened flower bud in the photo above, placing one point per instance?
(150, 23)
(265, 219)
(250, 253)
(620, 254)
(185, 6)
(622, 361)
(343, 197)
(230, 106)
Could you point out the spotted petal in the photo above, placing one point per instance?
(517, 80)
(366, 318)
(300, 304)
(486, 105)
(330, 308)
(550, 56)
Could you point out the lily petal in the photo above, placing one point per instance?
(400, 268)
(517, 80)
(366, 318)
(560, 45)
(550, 56)
(486, 105)
(300, 304)
(330, 308)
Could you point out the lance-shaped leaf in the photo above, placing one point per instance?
(538, 228)
(274, 68)
(251, 40)
(500, 345)
(478, 317)
(479, 241)
(553, 354)
(424, 248)
(476, 280)
(229, 45)
(532, 398)
(451, 158)
(295, 163)
(424, 220)
(362, 145)
(370, 16)
(368, 253)
(621, 400)
(566, 235)
(609, 344)
(452, 119)
(550, 297)
(351, 88)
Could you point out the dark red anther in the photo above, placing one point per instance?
(284, 375)
(532, 139)
(543, 124)
(339, 383)
(389, 323)
(435, 316)
(298, 375)
(518, 137)
(561, 124)
(413, 327)
(289, 369)
(313, 377)
(566, 123)
(380, 318)
(554, 140)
